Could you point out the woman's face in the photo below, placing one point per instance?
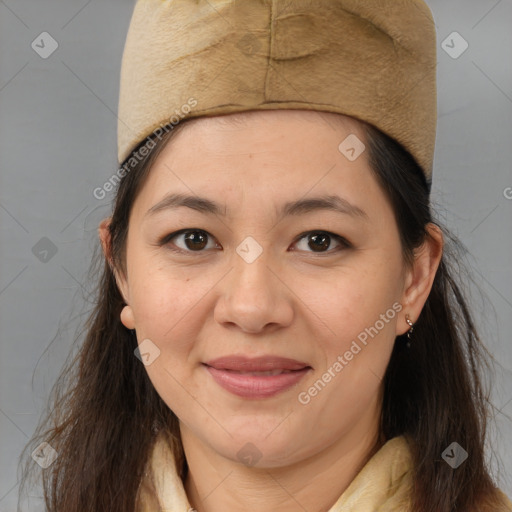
(261, 278)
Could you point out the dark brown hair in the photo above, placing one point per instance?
(105, 412)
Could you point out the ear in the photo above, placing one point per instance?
(420, 276)
(106, 243)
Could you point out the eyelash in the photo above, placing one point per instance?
(345, 244)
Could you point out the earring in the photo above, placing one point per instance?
(409, 332)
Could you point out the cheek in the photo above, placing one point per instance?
(359, 320)
(159, 298)
(359, 340)
(166, 312)
(356, 301)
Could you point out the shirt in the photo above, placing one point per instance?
(383, 484)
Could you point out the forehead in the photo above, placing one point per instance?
(258, 157)
(271, 115)
(266, 119)
(289, 137)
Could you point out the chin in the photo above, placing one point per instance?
(256, 448)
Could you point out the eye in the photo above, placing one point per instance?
(319, 241)
(193, 240)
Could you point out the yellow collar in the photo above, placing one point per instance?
(383, 484)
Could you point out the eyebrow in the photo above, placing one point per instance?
(299, 207)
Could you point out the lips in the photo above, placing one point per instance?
(259, 377)
(256, 364)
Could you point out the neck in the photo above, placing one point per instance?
(217, 484)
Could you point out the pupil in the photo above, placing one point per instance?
(322, 238)
(195, 240)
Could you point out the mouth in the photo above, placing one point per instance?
(260, 373)
(256, 378)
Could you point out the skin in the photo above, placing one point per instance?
(292, 301)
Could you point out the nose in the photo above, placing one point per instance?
(254, 297)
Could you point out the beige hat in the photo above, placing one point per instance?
(374, 60)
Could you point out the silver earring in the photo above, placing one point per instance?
(409, 332)
(411, 325)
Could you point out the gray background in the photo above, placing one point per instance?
(58, 143)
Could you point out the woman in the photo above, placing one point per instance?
(278, 326)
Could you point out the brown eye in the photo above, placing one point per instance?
(321, 242)
(196, 240)
(190, 240)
